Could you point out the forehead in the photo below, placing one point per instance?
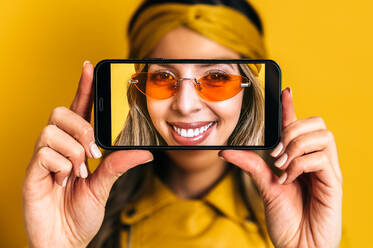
(195, 67)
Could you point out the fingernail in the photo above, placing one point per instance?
(281, 161)
(290, 91)
(220, 156)
(151, 159)
(282, 178)
(64, 182)
(96, 153)
(277, 150)
(83, 170)
(86, 62)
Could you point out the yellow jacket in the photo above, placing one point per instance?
(160, 219)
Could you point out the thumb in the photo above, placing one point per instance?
(112, 167)
(256, 167)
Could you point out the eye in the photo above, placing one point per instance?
(162, 77)
(216, 77)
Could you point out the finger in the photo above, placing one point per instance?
(256, 167)
(76, 127)
(82, 103)
(304, 144)
(288, 113)
(295, 129)
(44, 162)
(313, 162)
(288, 117)
(53, 137)
(112, 167)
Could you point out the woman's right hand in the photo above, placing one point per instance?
(64, 204)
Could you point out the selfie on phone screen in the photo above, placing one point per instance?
(182, 104)
(188, 104)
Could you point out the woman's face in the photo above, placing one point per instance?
(186, 118)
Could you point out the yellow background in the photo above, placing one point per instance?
(323, 48)
(120, 73)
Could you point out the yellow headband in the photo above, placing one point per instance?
(222, 24)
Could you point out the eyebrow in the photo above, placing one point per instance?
(209, 65)
(200, 65)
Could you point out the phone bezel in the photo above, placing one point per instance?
(102, 103)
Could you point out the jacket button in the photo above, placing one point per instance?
(131, 212)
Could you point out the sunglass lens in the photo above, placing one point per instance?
(160, 85)
(219, 86)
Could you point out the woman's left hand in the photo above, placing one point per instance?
(303, 207)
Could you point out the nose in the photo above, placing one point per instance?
(186, 101)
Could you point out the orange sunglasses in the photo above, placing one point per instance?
(212, 87)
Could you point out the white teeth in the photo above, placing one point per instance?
(196, 132)
(183, 132)
(189, 133)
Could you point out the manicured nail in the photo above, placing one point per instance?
(277, 150)
(96, 153)
(281, 161)
(220, 156)
(282, 178)
(151, 159)
(290, 91)
(86, 62)
(64, 182)
(83, 170)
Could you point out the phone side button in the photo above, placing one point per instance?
(101, 104)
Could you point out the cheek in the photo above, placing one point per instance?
(229, 110)
(158, 111)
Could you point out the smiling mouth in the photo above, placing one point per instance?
(191, 133)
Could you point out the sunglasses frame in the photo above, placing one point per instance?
(195, 81)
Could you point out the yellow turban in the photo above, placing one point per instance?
(222, 24)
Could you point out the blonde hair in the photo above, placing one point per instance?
(139, 129)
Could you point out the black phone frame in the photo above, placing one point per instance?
(102, 103)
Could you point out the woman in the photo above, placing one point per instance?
(302, 207)
(155, 118)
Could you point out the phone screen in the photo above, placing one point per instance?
(184, 104)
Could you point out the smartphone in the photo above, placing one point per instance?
(159, 103)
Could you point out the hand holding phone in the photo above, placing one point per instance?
(63, 203)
